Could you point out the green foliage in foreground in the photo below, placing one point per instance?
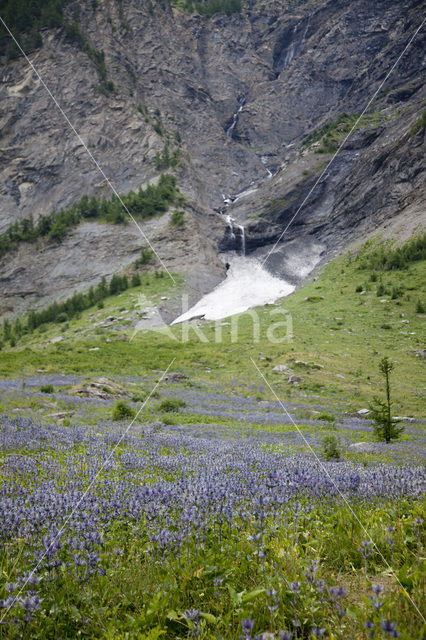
(142, 204)
(47, 388)
(208, 7)
(217, 579)
(171, 404)
(25, 19)
(385, 426)
(121, 410)
(331, 450)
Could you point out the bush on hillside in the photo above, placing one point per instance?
(121, 411)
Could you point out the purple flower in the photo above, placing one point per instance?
(377, 589)
(390, 628)
(337, 592)
(247, 625)
(295, 586)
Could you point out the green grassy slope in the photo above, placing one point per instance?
(343, 331)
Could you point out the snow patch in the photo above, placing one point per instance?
(248, 284)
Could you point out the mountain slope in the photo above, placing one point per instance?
(234, 97)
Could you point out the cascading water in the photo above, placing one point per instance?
(247, 284)
(294, 48)
(235, 237)
(230, 222)
(231, 128)
(264, 161)
(243, 239)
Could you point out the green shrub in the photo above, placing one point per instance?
(359, 288)
(138, 397)
(208, 7)
(146, 256)
(121, 411)
(171, 404)
(331, 448)
(47, 388)
(327, 417)
(177, 219)
(136, 280)
(386, 258)
(419, 125)
(420, 307)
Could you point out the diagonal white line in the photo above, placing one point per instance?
(341, 494)
(91, 156)
(61, 530)
(343, 143)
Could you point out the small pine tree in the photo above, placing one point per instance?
(136, 280)
(385, 427)
(114, 285)
(330, 448)
(420, 308)
(7, 329)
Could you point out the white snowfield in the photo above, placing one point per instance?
(247, 285)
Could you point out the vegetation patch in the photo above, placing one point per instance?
(208, 7)
(419, 125)
(121, 410)
(329, 137)
(142, 204)
(25, 20)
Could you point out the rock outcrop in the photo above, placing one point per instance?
(235, 96)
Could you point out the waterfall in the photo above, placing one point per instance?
(235, 236)
(243, 239)
(295, 47)
(230, 222)
(264, 160)
(230, 129)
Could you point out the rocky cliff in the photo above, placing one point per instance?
(235, 98)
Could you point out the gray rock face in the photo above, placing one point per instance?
(241, 92)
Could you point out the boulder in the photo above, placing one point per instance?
(361, 447)
(281, 368)
(294, 380)
(102, 388)
(175, 376)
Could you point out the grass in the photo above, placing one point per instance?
(147, 590)
(333, 326)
